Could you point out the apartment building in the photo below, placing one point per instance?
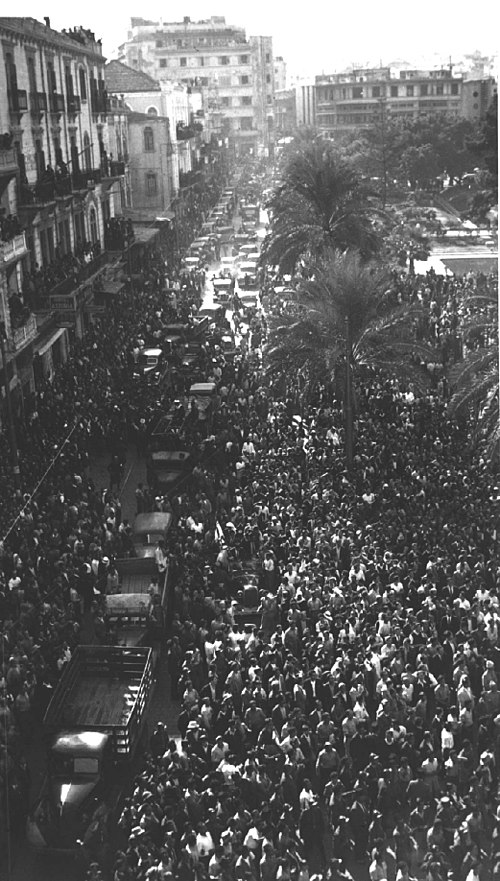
(234, 73)
(63, 156)
(348, 101)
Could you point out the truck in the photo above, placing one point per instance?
(93, 726)
(136, 615)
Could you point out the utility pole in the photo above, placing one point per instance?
(12, 432)
(348, 396)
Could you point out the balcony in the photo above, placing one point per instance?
(56, 102)
(8, 163)
(18, 101)
(38, 102)
(82, 180)
(13, 250)
(74, 104)
(116, 169)
(99, 102)
(24, 334)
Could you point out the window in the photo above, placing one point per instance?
(224, 59)
(394, 91)
(268, 77)
(151, 184)
(376, 92)
(159, 44)
(87, 152)
(32, 74)
(83, 84)
(68, 77)
(268, 57)
(149, 141)
(204, 81)
(93, 225)
(246, 100)
(183, 62)
(246, 123)
(410, 91)
(51, 77)
(475, 94)
(454, 88)
(424, 91)
(357, 92)
(243, 59)
(152, 111)
(244, 80)
(201, 61)
(269, 99)
(163, 62)
(225, 82)
(225, 101)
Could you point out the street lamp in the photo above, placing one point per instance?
(12, 432)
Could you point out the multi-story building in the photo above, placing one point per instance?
(234, 72)
(280, 74)
(351, 100)
(62, 178)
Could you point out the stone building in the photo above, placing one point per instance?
(63, 177)
(348, 101)
(234, 73)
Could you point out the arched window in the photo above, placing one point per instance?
(149, 143)
(152, 111)
(94, 235)
(83, 83)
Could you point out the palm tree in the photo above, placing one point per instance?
(321, 202)
(475, 379)
(345, 317)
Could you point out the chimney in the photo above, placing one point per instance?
(47, 21)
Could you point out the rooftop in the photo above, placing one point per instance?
(120, 78)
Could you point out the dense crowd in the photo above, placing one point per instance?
(355, 727)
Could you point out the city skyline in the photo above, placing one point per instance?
(327, 40)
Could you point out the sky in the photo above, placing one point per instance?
(314, 37)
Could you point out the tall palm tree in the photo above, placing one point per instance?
(321, 202)
(475, 379)
(345, 317)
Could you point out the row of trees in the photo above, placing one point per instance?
(330, 233)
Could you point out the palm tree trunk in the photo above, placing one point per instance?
(348, 396)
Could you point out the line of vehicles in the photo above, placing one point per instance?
(95, 721)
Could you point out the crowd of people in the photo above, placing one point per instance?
(348, 720)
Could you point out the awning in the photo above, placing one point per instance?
(143, 235)
(110, 287)
(44, 347)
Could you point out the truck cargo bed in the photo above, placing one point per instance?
(98, 701)
(104, 688)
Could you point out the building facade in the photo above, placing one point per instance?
(62, 178)
(348, 101)
(234, 74)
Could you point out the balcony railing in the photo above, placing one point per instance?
(74, 104)
(100, 103)
(82, 179)
(8, 159)
(25, 334)
(18, 100)
(56, 102)
(38, 102)
(14, 249)
(116, 168)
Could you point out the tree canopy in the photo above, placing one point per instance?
(320, 202)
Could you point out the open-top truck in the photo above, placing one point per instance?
(93, 724)
(137, 614)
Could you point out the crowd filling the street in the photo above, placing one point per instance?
(332, 633)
